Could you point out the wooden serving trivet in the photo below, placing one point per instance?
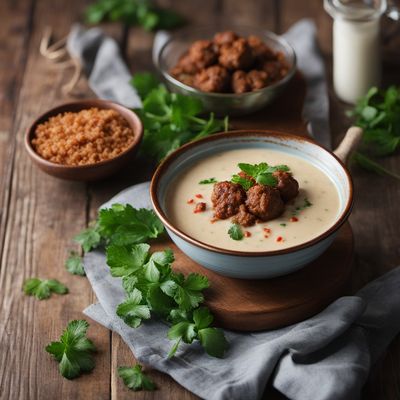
(252, 305)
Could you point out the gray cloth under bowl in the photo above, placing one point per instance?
(325, 357)
(109, 77)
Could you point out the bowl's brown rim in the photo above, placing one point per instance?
(273, 36)
(163, 167)
(82, 105)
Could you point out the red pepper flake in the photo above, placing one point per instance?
(293, 219)
(199, 196)
(279, 239)
(200, 207)
(247, 234)
(190, 201)
(267, 230)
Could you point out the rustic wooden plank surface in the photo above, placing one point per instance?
(37, 220)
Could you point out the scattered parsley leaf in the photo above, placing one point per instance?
(74, 350)
(42, 289)
(236, 232)
(306, 204)
(208, 181)
(213, 341)
(134, 378)
(74, 264)
(88, 239)
(282, 224)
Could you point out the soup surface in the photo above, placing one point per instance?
(312, 212)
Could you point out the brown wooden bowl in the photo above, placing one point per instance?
(89, 172)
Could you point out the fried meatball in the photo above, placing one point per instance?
(259, 49)
(243, 217)
(202, 53)
(226, 37)
(273, 70)
(212, 79)
(257, 79)
(226, 199)
(287, 185)
(186, 65)
(265, 202)
(236, 55)
(239, 82)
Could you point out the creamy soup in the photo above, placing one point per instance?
(312, 212)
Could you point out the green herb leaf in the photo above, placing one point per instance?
(74, 264)
(89, 239)
(208, 181)
(266, 179)
(245, 183)
(134, 378)
(235, 232)
(132, 310)
(213, 341)
(144, 83)
(74, 350)
(42, 289)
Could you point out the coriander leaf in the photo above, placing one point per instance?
(235, 232)
(181, 331)
(274, 168)
(124, 261)
(208, 181)
(89, 239)
(132, 311)
(202, 317)
(134, 378)
(249, 169)
(245, 183)
(74, 350)
(74, 264)
(129, 282)
(42, 289)
(196, 282)
(144, 83)
(266, 179)
(213, 341)
(159, 301)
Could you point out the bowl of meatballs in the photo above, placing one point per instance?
(232, 72)
(252, 204)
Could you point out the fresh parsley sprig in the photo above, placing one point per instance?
(74, 264)
(170, 119)
(208, 181)
(260, 173)
(236, 232)
(135, 379)
(133, 12)
(74, 350)
(43, 288)
(378, 113)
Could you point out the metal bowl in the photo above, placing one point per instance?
(224, 103)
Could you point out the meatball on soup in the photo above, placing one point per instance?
(252, 200)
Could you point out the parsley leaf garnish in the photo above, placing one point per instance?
(262, 173)
(132, 310)
(43, 289)
(134, 378)
(170, 119)
(236, 232)
(306, 204)
(74, 264)
(208, 181)
(74, 350)
(378, 113)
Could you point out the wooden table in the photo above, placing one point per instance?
(39, 215)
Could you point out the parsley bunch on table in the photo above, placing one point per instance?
(133, 12)
(378, 113)
(171, 119)
(150, 284)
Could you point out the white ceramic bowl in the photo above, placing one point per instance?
(252, 265)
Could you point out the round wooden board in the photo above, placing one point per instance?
(253, 305)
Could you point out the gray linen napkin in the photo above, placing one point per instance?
(109, 77)
(326, 357)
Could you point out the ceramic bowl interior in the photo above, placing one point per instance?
(297, 146)
(89, 172)
(225, 103)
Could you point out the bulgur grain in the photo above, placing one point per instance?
(85, 137)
